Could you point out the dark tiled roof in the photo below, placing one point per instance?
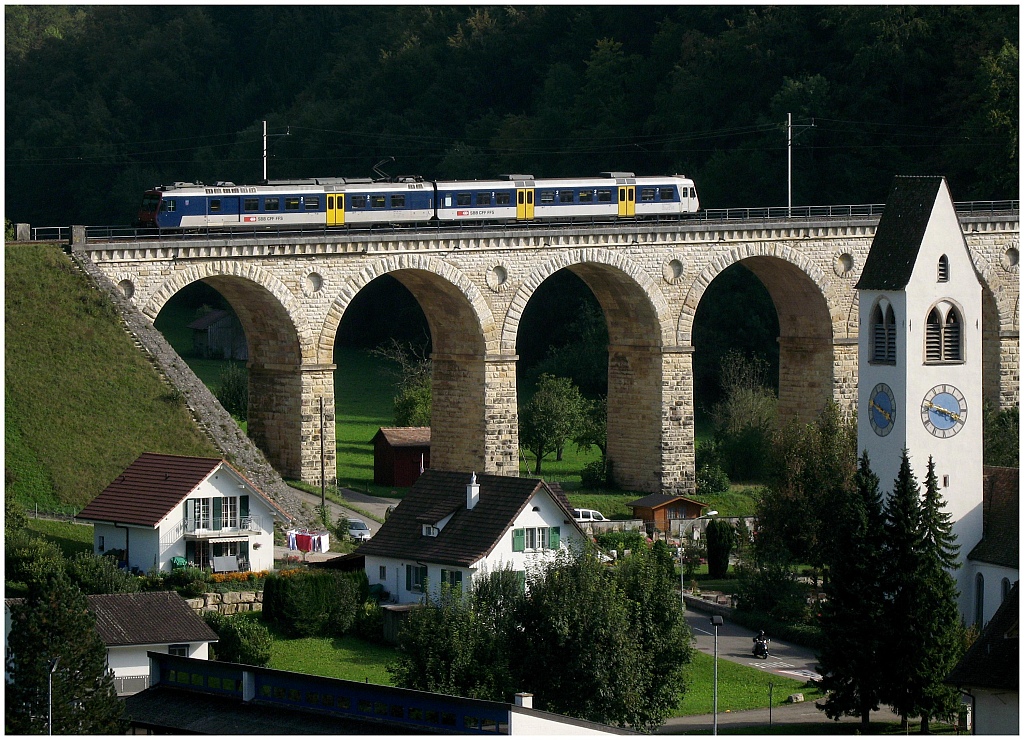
(147, 618)
(151, 618)
(405, 436)
(152, 486)
(470, 534)
(992, 662)
(205, 322)
(656, 500)
(900, 232)
(1000, 539)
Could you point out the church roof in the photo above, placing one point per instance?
(1000, 539)
(899, 234)
(992, 662)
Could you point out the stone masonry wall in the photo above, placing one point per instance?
(230, 602)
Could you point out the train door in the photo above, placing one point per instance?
(335, 209)
(627, 200)
(524, 204)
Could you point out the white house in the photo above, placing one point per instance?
(989, 673)
(452, 526)
(130, 625)
(993, 565)
(197, 509)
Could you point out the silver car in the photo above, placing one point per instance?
(358, 530)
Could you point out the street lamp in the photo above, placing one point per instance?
(717, 622)
(49, 711)
(682, 568)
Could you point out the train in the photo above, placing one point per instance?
(362, 202)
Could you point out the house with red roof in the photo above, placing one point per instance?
(452, 526)
(166, 510)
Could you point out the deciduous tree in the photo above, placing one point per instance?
(551, 417)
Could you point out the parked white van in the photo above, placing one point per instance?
(588, 515)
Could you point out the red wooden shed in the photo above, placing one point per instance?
(400, 454)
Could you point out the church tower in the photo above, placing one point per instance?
(920, 354)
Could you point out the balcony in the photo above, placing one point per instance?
(214, 528)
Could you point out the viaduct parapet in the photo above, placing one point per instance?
(291, 293)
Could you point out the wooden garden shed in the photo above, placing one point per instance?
(400, 454)
(658, 509)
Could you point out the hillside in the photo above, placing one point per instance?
(81, 401)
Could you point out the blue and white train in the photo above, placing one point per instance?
(340, 202)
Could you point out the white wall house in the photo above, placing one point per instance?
(452, 527)
(198, 509)
(993, 566)
(130, 625)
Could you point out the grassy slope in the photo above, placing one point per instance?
(81, 402)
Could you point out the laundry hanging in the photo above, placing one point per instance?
(305, 540)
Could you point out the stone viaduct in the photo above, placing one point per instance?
(291, 292)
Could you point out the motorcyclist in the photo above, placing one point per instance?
(761, 644)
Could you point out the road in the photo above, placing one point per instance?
(784, 659)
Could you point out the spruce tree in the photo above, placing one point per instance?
(850, 656)
(905, 635)
(939, 592)
(54, 623)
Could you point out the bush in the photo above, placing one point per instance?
(233, 392)
(99, 574)
(721, 538)
(242, 640)
(593, 474)
(773, 590)
(314, 603)
(369, 624)
(621, 540)
(189, 582)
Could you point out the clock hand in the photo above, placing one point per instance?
(882, 411)
(945, 412)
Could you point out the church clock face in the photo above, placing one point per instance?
(882, 409)
(944, 411)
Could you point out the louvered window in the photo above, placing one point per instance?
(883, 335)
(943, 269)
(943, 336)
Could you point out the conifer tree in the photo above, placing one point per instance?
(54, 628)
(940, 594)
(850, 656)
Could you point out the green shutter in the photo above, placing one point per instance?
(553, 533)
(243, 506)
(190, 551)
(217, 505)
(521, 576)
(518, 540)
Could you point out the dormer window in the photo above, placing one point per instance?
(943, 335)
(883, 334)
(429, 530)
(943, 270)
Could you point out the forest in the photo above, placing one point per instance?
(104, 101)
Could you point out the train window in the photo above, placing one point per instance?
(279, 692)
(666, 194)
(377, 201)
(294, 695)
(168, 205)
(398, 201)
(470, 723)
(358, 201)
(604, 196)
(448, 718)
(252, 204)
(566, 196)
(489, 725)
(272, 204)
(291, 204)
(215, 205)
(229, 684)
(416, 713)
(344, 702)
(365, 705)
(464, 199)
(502, 199)
(547, 197)
(380, 707)
(397, 710)
(327, 700)
(312, 697)
(483, 199)
(647, 195)
(586, 196)
(432, 715)
(312, 202)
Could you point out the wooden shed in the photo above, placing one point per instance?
(658, 509)
(400, 454)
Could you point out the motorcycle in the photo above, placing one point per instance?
(761, 647)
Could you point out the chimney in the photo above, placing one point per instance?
(472, 493)
(524, 700)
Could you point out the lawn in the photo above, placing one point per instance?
(71, 538)
(739, 687)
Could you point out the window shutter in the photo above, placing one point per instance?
(190, 551)
(518, 540)
(951, 338)
(553, 534)
(217, 504)
(408, 578)
(243, 549)
(243, 505)
(521, 576)
(933, 338)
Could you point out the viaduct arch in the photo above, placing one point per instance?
(291, 293)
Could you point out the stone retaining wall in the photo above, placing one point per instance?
(231, 602)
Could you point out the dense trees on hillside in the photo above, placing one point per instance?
(107, 100)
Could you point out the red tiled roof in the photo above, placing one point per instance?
(152, 486)
(470, 534)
